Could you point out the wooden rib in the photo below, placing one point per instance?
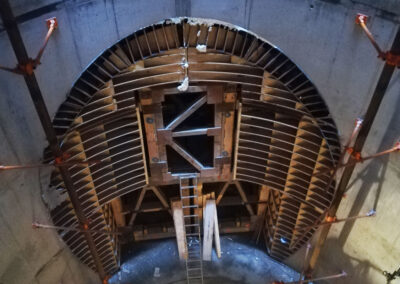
(286, 90)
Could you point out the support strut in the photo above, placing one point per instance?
(31, 64)
(390, 57)
(13, 32)
(334, 276)
(369, 118)
(334, 220)
(357, 158)
(55, 164)
(37, 225)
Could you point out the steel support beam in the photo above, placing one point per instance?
(376, 100)
(13, 32)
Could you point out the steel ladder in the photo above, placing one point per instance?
(194, 258)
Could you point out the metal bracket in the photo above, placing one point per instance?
(388, 56)
(28, 67)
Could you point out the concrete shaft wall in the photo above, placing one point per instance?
(320, 36)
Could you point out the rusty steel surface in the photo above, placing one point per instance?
(281, 131)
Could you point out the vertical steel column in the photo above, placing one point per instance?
(11, 27)
(369, 118)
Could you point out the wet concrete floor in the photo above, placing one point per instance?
(241, 262)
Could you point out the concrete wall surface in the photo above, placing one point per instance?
(30, 255)
(320, 36)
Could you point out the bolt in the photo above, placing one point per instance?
(227, 114)
(149, 120)
(155, 160)
(224, 153)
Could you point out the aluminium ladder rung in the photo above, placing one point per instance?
(188, 186)
(194, 260)
(192, 225)
(190, 216)
(193, 234)
(190, 206)
(194, 264)
(193, 250)
(189, 196)
(194, 267)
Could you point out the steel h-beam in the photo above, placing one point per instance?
(11, 27)
(369, 118)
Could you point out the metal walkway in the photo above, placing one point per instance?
(194, 260)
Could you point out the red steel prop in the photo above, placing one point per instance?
(27, 69)
(357, 127)
(55, 164)
(389, 57)
(85, 228)
(334, 220)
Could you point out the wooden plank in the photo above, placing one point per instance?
(151, 136)
(259, 224)
(214, 95)
(153, 236)
(160, 232)
(150, 128)
(139, 119)
(200, 199)
(152, 122)
(208, 229)
(237, 137)
(217, 240)
(119, 218)
(228, 120)
(263, 196)
(177, 213)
